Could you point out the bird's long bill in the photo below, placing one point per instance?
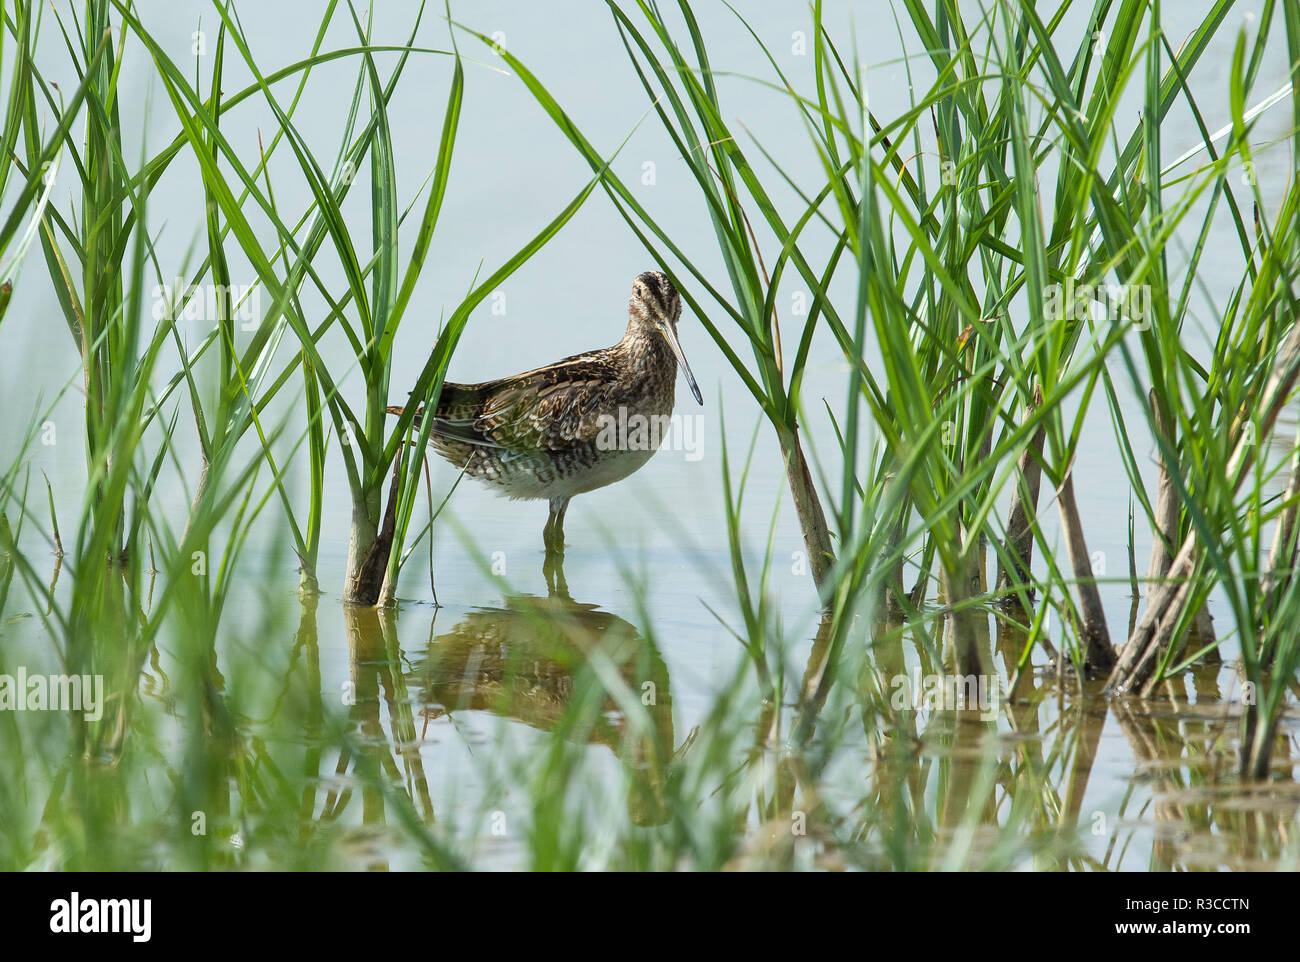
(671, 336)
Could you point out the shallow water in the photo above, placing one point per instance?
(469, 719)
(455, 708)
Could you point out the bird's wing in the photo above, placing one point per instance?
(529, 411)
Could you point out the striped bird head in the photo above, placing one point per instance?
(654, 299)
(655, 307)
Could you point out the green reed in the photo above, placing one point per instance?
(969, 272)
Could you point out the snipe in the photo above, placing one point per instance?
(561, 430)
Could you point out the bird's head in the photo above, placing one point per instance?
(655, 308)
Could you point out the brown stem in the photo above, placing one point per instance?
(1167, 508)
(1168, 521)
(1019, 544)
(812, 520)
(1281, 557)
(1165, 601)
(366, 580)
(895, 592)
(1098, 653)
(968, 656)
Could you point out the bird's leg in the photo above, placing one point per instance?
(553, 538)
(557, 586)
(553, 533)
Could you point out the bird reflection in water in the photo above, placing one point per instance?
(530, 662)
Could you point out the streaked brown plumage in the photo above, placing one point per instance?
(538, 435)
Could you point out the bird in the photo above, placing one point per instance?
(573, 426)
